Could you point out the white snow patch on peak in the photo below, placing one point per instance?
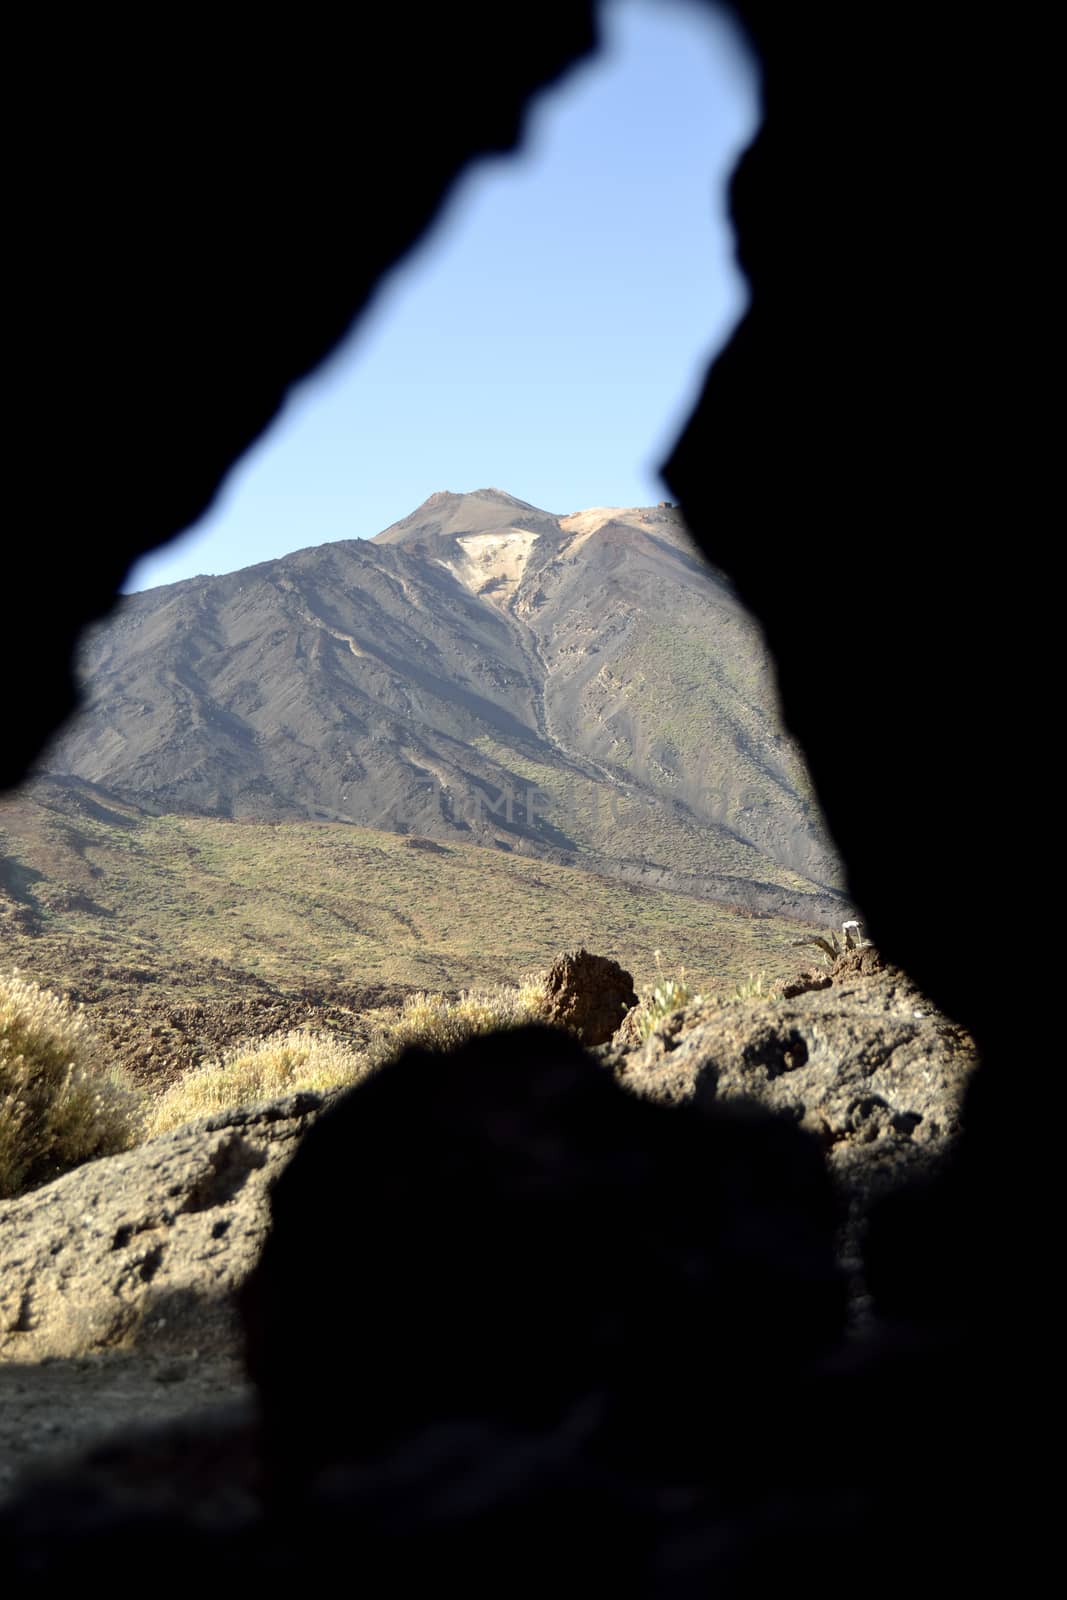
(492, 564)
(596, 516)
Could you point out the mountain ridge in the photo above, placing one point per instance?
(583, 687)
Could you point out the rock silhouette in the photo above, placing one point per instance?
(506, 1236)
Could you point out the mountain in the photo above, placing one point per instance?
(584, 688)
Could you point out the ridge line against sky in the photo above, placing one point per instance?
(549, 334)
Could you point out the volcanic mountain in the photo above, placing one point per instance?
(581, 687)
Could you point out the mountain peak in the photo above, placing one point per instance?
(449, 515)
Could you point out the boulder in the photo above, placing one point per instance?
(147, 1247)
(857, 1056)
(588, 994)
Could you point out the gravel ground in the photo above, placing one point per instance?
(55, 1412)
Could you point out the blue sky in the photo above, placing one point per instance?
(547, 337)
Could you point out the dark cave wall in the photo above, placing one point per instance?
(849, 444)
(199, 213)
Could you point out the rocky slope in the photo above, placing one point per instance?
(481, 671)
(117, 1287)
(122, 1274)
(855, 1055)
(145, 1249)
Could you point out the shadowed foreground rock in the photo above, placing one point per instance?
(510, 1319)
(505, 1235)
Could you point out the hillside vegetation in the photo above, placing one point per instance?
(146, 914)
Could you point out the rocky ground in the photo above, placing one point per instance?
(117, 1281)
(115, 1413)
(855, 1054)
(158, 1038)
(159, 1019)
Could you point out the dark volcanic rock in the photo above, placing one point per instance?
(863, 962)
(588, 994)
(857, 1056)
(429, 845)
(805, 983)
(504, 1235)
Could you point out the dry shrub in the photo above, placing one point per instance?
(433, 1022)
(256, 1071)
(285, 1063)
(61, 1103)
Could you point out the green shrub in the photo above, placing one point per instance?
(264, 1070)
(662, 999)
(757, 988)
(60, 1101)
